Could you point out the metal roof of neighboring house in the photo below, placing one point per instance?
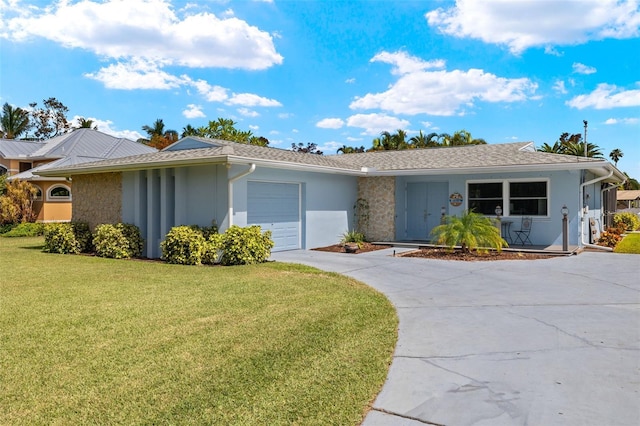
(17, 149)
(625, 195)
(71, 149)
(512, 156)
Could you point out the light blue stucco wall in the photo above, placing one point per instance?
(157, 200)
(326, 207)
(564, 188)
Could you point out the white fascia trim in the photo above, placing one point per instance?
(491, 169)
(295, 166)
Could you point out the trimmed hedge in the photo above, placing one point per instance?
(26, 229)
(187, 245)
(119, 241)
(60, 238)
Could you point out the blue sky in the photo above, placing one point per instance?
(335, 72)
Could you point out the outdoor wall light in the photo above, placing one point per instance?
(564, 210)
(443, 211)
(498, 211)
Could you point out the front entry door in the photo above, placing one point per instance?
(424, 204)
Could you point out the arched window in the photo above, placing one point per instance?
(59, 193)
(38, 196)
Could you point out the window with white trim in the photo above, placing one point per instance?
(515, 197)
(59, 193)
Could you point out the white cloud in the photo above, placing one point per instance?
(550, 50)
(352, 139)
(583, 69)
(441, 92)
(559, 87)
(330, 123)
(274, 132)
(606, 96)
(406, 64)
(295, 131)
(252, 100)
(374, 124)
(247, 112)
(147, 29)
(137, 74)
(350, 80)
(193, 111)
(209, 92)
(330, 147)
(285, 115)
(630, 120)
(524, 24)
(254, 127)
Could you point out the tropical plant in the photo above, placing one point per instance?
(224, 128)
(616, 155)
(353, 237)
(463, 137)
(49, 121)
(627, 221)
(629, 184)
(27, 229)
(13, 122)
(16, 205)
(424, 141)
(571, 144)
(86, 124)
(310, 148)
(344, 149)
(157, 136)
(183, 245)
(470, 231)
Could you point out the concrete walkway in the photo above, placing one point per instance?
(520, 342)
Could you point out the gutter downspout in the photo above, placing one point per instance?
(583, 214)
(230, 189)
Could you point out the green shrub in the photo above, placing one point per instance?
(206, 230)
(83, 236)
(26, 229)
(60, 238)
(119, 241)
(183, 245)
(134, 238)
(630, 221)
(243, 246)
(213, 249)
(6, 227)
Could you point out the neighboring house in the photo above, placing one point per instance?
(628, 199)
(25, 161)
(308, 200)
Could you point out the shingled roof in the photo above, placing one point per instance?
(511, 156)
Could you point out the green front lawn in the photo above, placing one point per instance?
(101, 341)
(629, 244)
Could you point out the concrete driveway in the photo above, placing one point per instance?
(542, 342)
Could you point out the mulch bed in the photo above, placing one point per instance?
(443, 253)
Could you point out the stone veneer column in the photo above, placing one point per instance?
(97, 198)
(380, 193)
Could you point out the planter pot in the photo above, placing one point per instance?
(350, 248)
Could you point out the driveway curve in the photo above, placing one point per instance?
(515, 342)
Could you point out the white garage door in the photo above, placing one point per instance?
(276, 207)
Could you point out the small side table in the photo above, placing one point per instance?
(506, 230)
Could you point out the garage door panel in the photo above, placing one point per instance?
(275, 207)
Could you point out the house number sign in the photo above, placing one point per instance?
(455, 199)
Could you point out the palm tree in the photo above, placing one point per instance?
(577, 149)
(424, 141)
(556, 148)
(344, 149)
(86, 124)
(158, 137)
(444, 139)
(14, 121)
(616, 155)
(471, 231)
